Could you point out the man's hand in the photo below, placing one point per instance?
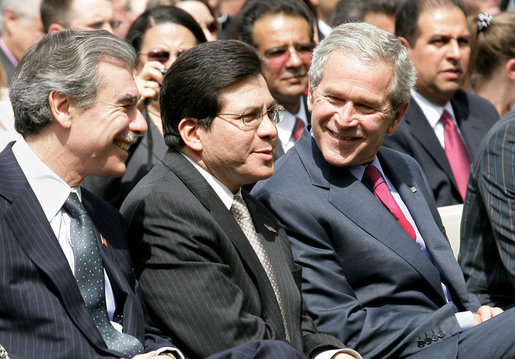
(345, 356)
(150, 355)
(484, 313)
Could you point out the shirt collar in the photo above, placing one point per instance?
(432, 112)
(221, 190)
(50, 190)
(358, 171)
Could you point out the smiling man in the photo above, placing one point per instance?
(74, 101)
(444, 125)
(282, 33)
(214, 265)
(378, 272)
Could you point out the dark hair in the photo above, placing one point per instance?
(65, 62)
(490, 47)
(55, 12)
(162, 15)
(406, 20)
(194, 84)
(355, 11)
(255, 9)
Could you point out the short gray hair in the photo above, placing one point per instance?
(24, 9)
(367, 43)
(65, 62)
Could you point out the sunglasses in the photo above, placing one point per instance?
(163, 56)
(282, 53)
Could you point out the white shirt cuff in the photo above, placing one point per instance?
(328, 354)
(465, 319)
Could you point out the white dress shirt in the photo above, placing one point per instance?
(465, 319)
(433, 114)
(287, 125)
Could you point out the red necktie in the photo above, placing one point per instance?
(297, 130)
(456, 153)
(373, 178)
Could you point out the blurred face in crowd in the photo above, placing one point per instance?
(202, 16)
(381, 20)
(123, 16)
(351, 111)
(164, 42)
(235, 153)
(92, 15)
(440, 53)
(284, 43)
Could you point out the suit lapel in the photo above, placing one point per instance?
(470, 126)
(35, 236)
(355, 201)
(420, 129)
(210, 200)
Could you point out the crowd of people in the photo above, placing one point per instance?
(256, 178)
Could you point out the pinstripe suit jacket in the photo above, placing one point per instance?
(416, 138)
(42, 313)
(202, 282)
(487, 249)
(364, 279)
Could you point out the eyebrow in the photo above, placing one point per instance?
(129, 99)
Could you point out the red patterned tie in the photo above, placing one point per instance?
(299, 127)
(456, 153)
(373, 178)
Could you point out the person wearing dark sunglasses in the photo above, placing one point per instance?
(282, 33)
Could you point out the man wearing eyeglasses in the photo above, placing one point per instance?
(215, 267)
(282, 33)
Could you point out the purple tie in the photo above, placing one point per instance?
(456, 153)
(373, 178)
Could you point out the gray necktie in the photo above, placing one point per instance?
(241, 213)
(89, 274)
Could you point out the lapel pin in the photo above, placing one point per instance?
(270, 228)
(104, 242)
(413, 189)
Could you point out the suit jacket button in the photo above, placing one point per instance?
(428, 340)
(421, 344)
(435, 337)
(441, 334)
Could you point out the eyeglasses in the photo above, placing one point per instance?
(282, 53)
(251, 121)
(162, 55)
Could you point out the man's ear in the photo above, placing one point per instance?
(309, 99)
(61, 108)
(189, 130)
(397, 118)
(510, 69)
(54, 28)
(404, 42)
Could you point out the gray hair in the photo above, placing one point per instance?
(24, 9)
(367, 43)
(65, 62)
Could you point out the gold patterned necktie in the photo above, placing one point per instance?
(242, 215)
(89, 275)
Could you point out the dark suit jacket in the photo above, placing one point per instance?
(364, 279)
(416, 137)
(7, 65)
(42, 313)
(487, 249)
(201, 280)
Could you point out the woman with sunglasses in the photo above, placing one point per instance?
(158, 35)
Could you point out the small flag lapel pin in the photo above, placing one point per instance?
(270, 228)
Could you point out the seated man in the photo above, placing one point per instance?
(378, 271)
(215, 267)
(487, 249)
(74, 100)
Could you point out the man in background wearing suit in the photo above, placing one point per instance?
(282, 33)
(74, 100)
(381, 279)
(215, 267)
(487, 249)
(444, 125)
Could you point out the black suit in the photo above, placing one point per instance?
(487, 249)
(41, 309)
(201, 280)
(416, 137)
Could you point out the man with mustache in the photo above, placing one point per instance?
(444, 125)
(282, 33)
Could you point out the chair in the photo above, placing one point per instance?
(451, 218)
